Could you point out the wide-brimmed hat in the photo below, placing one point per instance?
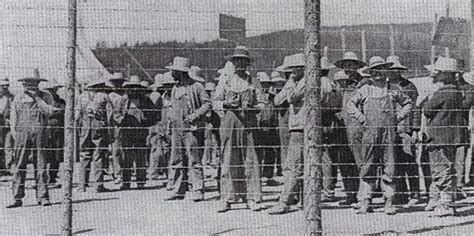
(195, 73)
(163, 79)
(276, 77)
(4, 82)
(341, 75)
(263, 77)
(282, 68)
(326, 64)
(362, 73)
(350, 61)
(444, 64)
(378, 63)
(295, 60)
(96, 84)
(117, 76)
(134, 83)
(397, 65)
(228, 69)
(209, 86)
(35, 78)
(240, 52)
(180, 64)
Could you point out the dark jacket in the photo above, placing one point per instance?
(443, 111)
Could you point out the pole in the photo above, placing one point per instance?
(392, 40)
(343, 41)
(433, 47)
(66, 225)
(313, 132)
(364, 46)
(472, 39)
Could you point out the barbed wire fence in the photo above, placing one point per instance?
(412, 42)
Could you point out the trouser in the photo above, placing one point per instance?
(117, 157)
(30, 145)
(426, 167)
(3, 161)
(459, 165)
(186, 162)
(294, 168)
(93, 158)
(406, 168)
(267, 150)
(378, 150)
(137, 155)
(9, 152)
(442, 160)
(284, 141)
(211, 148)
(341, 157)
(159, 158)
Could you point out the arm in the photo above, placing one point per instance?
(280, 98)
(206, 106)
(13, 118)
(296, 91)
(406, 103)
(432, 106)
(355, 102)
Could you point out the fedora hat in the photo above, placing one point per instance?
(378, 63)
(240, 52)
(117, 76)
(97, 84)
(326, 64)
(350, 61)
(444, 64)
(397, 65)
(276, 77)
(341, 75)
(35, 78)
(263, 77)
(180, 64)
(195, 73)
(282, 68)
(4, 82)
(134, 82)
(295, 60)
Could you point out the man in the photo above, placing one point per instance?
(28, 119)
(159, 136)
(139, 116)
(267, 140)
(189, 105)
(444, 134)
(212, 141)
(462, 148)
(6, 99)
(55, 134)
(374, 106)
(407, 135)
(350, 139)
(93, 121)
(293, 94)
(279, 78)
(117, 103)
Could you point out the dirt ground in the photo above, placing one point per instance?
(146, 213)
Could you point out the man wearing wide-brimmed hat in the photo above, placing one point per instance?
(28, 120)
(407, 133)
(189, 105)
(444, 135)
(374, 106)
(159, 138)
(293, 94)
(93, 120)
(139, 115)
(55, 134)
(242, 98)
(117, 103)
(6, 99)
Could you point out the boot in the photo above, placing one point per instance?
(253, 206)
(224, 207)
(279, 209)
(15, 204)
(350, 199)
(443, 210)
(432, 204)
(389, 207)
(364, 207)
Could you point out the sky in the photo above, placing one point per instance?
(34, 31)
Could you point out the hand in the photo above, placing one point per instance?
(414, 137)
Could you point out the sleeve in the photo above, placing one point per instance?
(280, 98)
(296, 93)
(406, 103)
(206, 104)
(45, 108)
(432, 106)
(13, 118)
(355, 102)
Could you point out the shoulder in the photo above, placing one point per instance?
(22, 98)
